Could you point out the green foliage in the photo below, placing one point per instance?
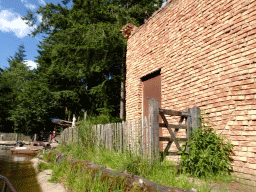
(104, 119)
(78, 177)
(42, 166)
(85, 49)
(79, 64)
(209, 153)
(163, 173)
(34, 108)
(6, 102)
(26, 99)
(13, 82)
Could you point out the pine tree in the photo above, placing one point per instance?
(84, 54)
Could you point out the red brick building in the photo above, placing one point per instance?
(199, 53)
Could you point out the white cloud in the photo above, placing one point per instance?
(40, 18)
(31, 64)
(42, 2)
(12, 22)
(28, 5)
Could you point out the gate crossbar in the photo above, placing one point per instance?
(173, 134)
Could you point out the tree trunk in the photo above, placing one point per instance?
(122, 98)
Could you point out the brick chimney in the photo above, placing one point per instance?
(128, 30)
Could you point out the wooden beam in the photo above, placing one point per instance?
(169, 153)
(61, 121)
(185, 114)
(170, 139)
(170, 112)
(174, 113)
(173, 126)
(170, 131)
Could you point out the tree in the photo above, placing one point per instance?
(85, 50)
(6, 104)
(35, 107)
(12, 80)
(26, 102)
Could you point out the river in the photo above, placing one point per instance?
(19, 170)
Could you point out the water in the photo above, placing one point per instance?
(19, 170)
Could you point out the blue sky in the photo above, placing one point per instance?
(14, 31)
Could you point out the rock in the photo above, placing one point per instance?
(39, 156)
(54, 145)
(57, 139)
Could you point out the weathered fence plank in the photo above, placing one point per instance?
(140, 136)
(173, 126)
(195, 117)
(171, 112)
(153, 113)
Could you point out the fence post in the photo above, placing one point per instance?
(136, 135)
(123, 131)
(102, 135)
(147, 135)
(153, 114)
(63, 136)
(140, 137)
(111, 136)
(189, 126)
(74, 121)
(132, 136)
(195, 116)
(85, 114)
(107, 136)
(97, 135)
(72, 132)
(35, 137)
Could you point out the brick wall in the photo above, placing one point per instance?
(206, 51)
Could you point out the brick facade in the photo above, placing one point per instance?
(206, 51)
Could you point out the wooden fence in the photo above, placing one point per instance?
(14, 137)
(69, 135)
(139, 136)
(135, 136)
(123, 136)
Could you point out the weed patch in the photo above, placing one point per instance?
(209, 154)
(163, 172)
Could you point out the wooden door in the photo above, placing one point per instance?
(152, 89)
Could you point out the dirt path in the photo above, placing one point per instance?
(43, 178)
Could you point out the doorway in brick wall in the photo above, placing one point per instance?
(152, 89)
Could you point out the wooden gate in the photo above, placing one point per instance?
(191, 115)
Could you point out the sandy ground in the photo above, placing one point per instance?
(43, 178)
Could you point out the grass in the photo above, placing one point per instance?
(163, 173)
(81, 179)
(42, 166)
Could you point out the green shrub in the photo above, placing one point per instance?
(104, 119)
(42, 167)
(209, 153)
